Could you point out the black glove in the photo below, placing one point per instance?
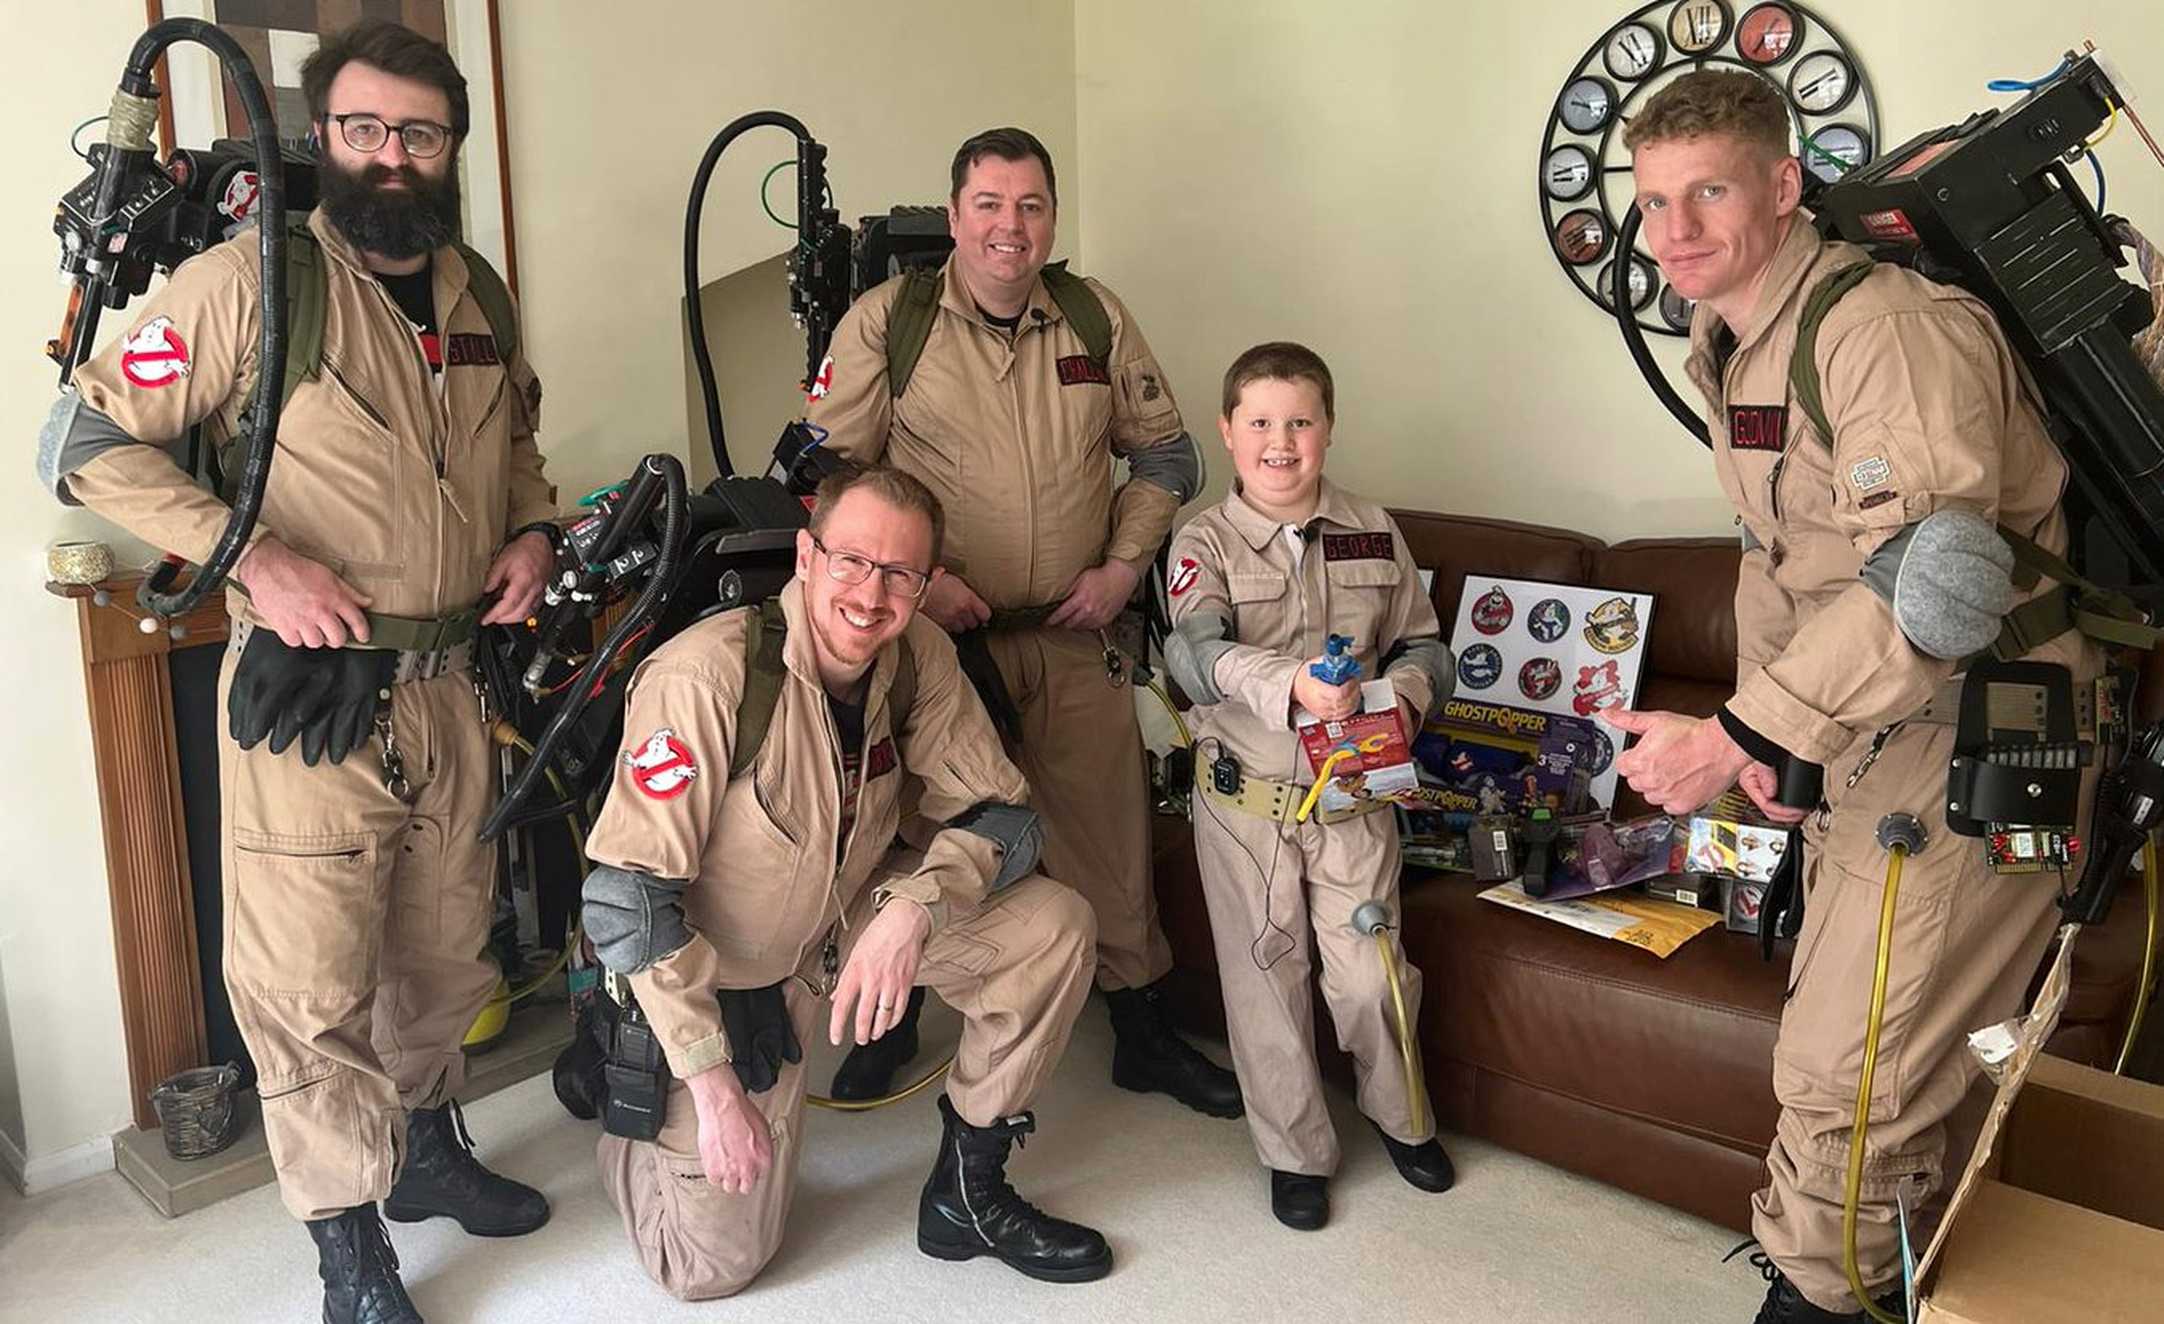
(761, 1037)
(324, 697)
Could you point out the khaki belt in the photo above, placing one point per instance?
(1277, 801)
(413, 663)
(1944, 707)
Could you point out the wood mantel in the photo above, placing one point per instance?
(130, 690)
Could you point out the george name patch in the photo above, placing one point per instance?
(1757, 427)
(1082, 370)
(467, 349)
(881, 760)
(1358, 547)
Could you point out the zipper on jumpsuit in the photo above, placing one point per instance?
(1013, 347)
(440, 434)
(830, 955)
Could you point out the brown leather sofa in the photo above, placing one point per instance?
(1652, 1075)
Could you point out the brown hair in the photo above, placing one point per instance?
(899, 490)
(1280, 361)
(1733, 102)
(1009, 144)
(395, 49)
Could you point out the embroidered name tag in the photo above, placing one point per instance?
(1757, 427)
(466, 349)
(1358, 547)
(1082, 370)
(881, 760)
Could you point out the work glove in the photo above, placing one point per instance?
(761, 1037)
(325, 698)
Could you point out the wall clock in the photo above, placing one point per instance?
(1585, 182)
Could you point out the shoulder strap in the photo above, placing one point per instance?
(1803, 363)
(909, 325)
(307, 290)
(763, 673)
(494, 296)
(1085, 312)
(902, 694)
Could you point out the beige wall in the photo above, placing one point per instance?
(1361, 177)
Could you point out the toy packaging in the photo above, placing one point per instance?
(1491, 758)
(1363, 757)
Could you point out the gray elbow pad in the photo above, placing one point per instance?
(1015, 829)
(1433, 657)
(1191, 653)
(74, 434)
(1175, 465)
(1949, 580)
(633, 918)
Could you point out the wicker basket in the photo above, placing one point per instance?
(195, 1110)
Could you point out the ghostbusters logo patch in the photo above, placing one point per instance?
(1184, 576)
(822, 380)
(154, 355)
(1539, 678)
(1757, 427)
(1478, 666)
(1358, 547)
(1493, 611)
(662, 768)
(240, 197)
(1612, 627)
(1549, 620)
(1869, 473)
(1082, 370)
(1598, 687)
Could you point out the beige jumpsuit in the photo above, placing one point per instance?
(778, 868)
(1929, 414)
(1269, 886)
(1016, 436)
(354, 922)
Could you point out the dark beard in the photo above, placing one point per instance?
(387, 222)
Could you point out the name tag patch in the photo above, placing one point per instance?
(1358, 547)
(1757, 427)
(882, 759)
(466, 349)
(1082, 370)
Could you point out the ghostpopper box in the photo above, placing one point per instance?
(2060, 1216)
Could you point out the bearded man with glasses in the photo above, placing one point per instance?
(407, 507)
(734, 887)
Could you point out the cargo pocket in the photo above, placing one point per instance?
(306, 914)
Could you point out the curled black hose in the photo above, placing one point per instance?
(730, 133)
(136, 81)
(580, 690)
(1634, 335)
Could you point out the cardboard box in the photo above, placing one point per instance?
(1743, 904)
(2060, 1214)
(1735, 845)
(1687, 889)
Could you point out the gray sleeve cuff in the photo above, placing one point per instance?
(1175, 466)
(74, 434)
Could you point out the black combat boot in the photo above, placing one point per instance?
(1424, 1165)
(1149, 1057)
(869, 1070)
(1300, 1200)
(360, 1270)
(1785, 1305)
(442, 1176)
(968, 1209)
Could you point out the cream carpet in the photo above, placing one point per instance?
(1179, 1195)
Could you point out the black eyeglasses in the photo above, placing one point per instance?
(849, 568)
(367, 133)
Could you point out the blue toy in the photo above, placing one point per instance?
(1338, 665)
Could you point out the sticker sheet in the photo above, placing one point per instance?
(1553, 648)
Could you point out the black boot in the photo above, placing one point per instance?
(1149, 1057)
(360, 1270)
(1424, 1165)
(1785, 1305)
(442, 1176)
(1299, 1199)
(868, 1072)
(968, 1209)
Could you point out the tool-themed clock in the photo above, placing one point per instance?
(1585, 173)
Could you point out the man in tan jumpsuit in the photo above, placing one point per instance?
(1011, 421)
(357, 898)
(734, 903)
(1934, 443)
(1257, 585)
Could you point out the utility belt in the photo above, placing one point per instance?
(1277, 801)
(426, 648)
(973, 650)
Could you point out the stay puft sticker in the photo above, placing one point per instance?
(822, 380)
(1183, 576)
(1869, 473)
(154, 355)
(663, 767)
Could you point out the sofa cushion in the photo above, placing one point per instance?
(1454, 546)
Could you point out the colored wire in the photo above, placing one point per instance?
(1810, 145)
(2098, 167)
(768, 207)
(2109, 125)
(2147, 986)
(866, 1105)
(1415, 1081)
(75, 137)
(1862, 1124)
(2016, 85)
(1322, 779)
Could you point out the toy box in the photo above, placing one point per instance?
(1491, 758)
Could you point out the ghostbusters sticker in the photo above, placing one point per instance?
(1612, 627)
(154, 355)
(1869, 473)
(1540, 678)
(822, 380)
(662, 768)
(241, 193)
(1598, 687)
(1183, 576)
(1603, 751)
(1492, 613)
(1479, 666)
(1549, 620)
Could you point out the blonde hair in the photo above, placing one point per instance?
(1713, 101)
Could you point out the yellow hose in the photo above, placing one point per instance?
(1862, 1126)
(1178, 723)
(1322, 779)
(2147, 985)
(866, 1105)
(1415, 1082)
